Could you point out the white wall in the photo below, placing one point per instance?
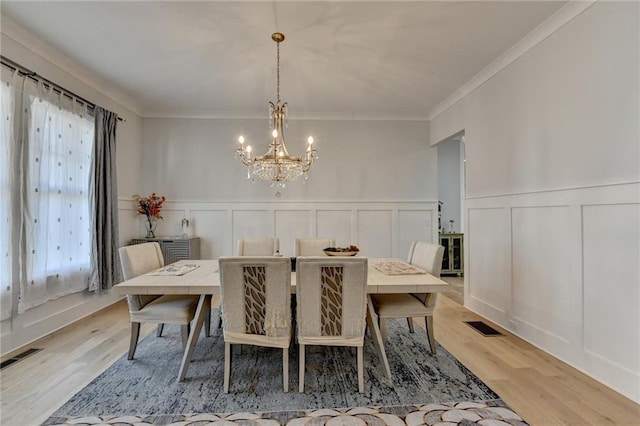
(193, 159)
(374, 184)
(553, 194)
(34, 54)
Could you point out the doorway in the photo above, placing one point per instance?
(451, 217)
(451, 159)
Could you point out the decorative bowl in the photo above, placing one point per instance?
(341, 251)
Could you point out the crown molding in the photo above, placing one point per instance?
(556, 21)
(205, 115)
(48, 53)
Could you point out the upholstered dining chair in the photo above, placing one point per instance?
(426, 256)
(255, 295)
(331, 306)
(313, 246)
(158, 309)
(258, 247)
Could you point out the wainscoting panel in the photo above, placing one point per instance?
(252, 224)
(375, 233)
(380, 228)
(563, 266)
(212, 228)
(170, 225)
(410, 221)
(292, 224)
(336, 224)
(487, 260)
(129, 226)
(545, 297)
(611, 284)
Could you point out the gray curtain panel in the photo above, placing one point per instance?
(105, 264)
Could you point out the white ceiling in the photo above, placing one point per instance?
(340, 59)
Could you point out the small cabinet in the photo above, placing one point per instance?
(174, 249)
(453, 259)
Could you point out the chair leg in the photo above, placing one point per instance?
(432, 339)
(227, 365)
(383, 328)
(301, 368)
(207, 323)
(184, 331)
(361, 369)
(285, 369)
(410, 324)
(133, 343)
(160, 330)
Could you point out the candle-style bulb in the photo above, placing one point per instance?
(241, 139)
(249, 149)
(274, 133)
(310, 140)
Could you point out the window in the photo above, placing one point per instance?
(57, 240)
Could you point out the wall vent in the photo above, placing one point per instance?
(19, 357)
(484, 329)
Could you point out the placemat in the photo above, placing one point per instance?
(174, 270)
(398, 268)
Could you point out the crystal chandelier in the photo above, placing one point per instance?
(277, 165)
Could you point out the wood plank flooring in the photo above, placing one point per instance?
(542, 389)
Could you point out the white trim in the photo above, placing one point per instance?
(293, 202)
(553, 23)
(245, 115)
(548, 191)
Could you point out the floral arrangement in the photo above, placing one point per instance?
(150, 207)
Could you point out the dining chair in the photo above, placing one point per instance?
(258, 247)
(426, 256)
(255, 294)
(331, 306)
(313, 246)
(139, 259)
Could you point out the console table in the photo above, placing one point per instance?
(174, 249)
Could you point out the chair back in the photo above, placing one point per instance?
(255, 296)
(331, 297)
(258, 247)
(313, 246)
(427, 256)
(136, 260)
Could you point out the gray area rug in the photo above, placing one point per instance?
(148, 384)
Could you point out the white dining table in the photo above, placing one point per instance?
(204, 281)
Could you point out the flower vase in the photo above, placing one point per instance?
(150, 226)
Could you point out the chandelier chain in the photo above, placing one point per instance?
(278, 73)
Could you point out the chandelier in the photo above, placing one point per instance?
(277, 165)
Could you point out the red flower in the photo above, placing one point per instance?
(149, 206)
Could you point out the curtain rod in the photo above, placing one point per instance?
(26, 72)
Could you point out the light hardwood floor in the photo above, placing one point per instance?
(540, 388)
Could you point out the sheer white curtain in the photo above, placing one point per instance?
(47, 211)
(8, 252)
(56, 163)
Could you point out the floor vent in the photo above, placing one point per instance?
(19, 357)
(483, 328)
